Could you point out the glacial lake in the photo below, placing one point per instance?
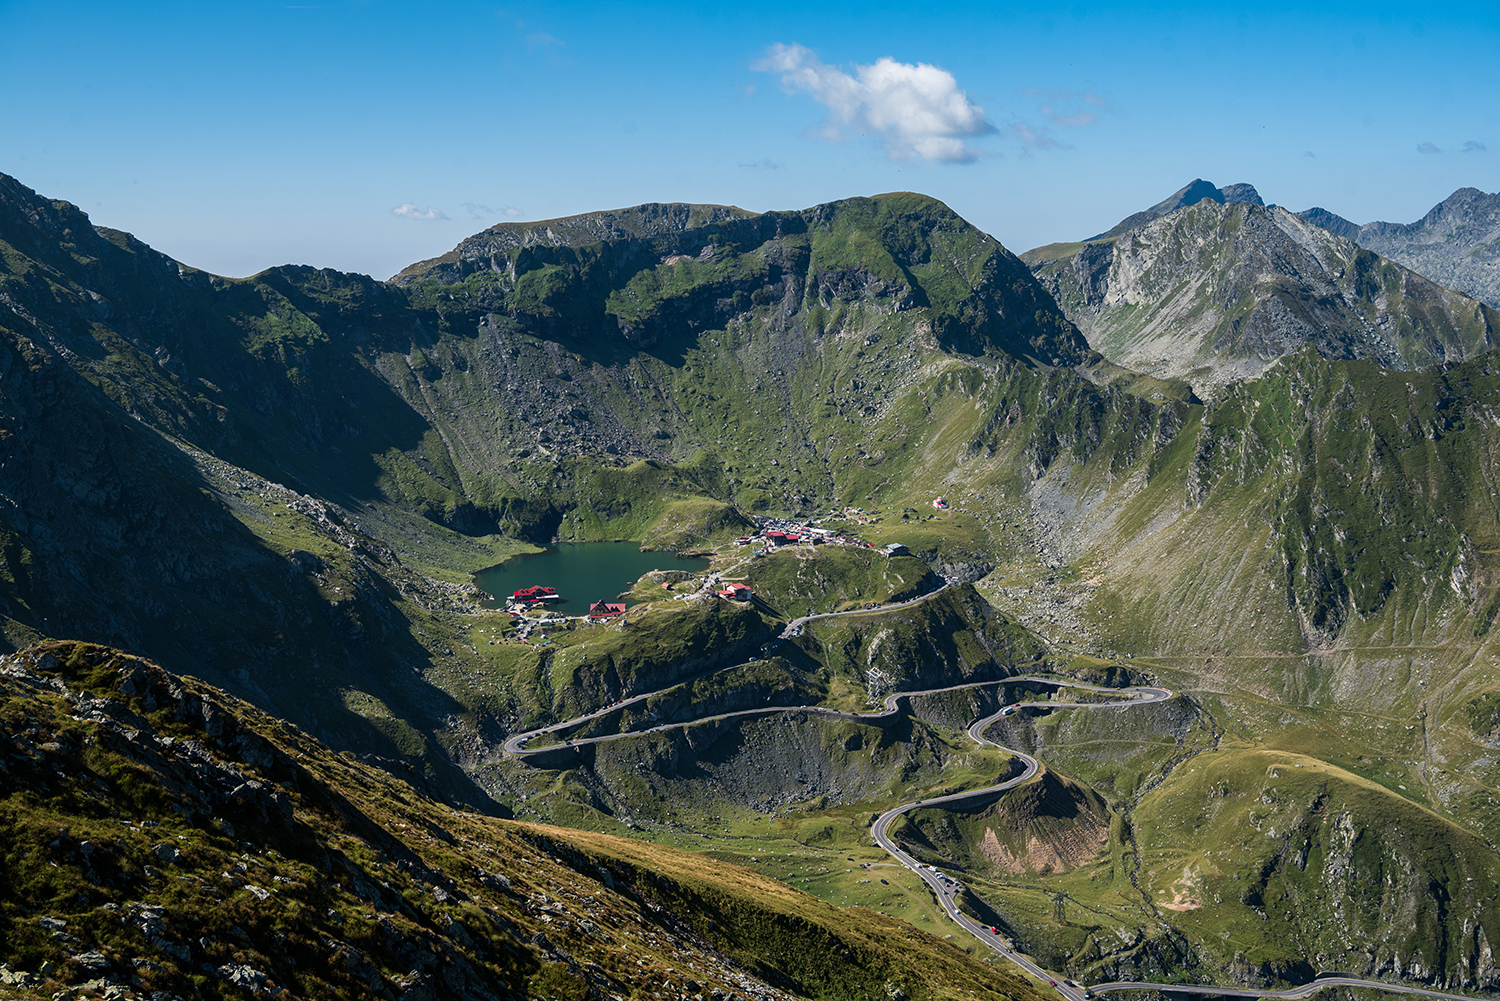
(582, 572)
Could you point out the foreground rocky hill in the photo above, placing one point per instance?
(1457, 244)
(164, 840)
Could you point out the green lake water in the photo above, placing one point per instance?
(582, 572)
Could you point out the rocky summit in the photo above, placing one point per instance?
(1216, 292)
(1120, 615)
(1457, 244)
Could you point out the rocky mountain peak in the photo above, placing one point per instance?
(1196, 191)
(1217, 292)
(1236, 194)
(1456, 244)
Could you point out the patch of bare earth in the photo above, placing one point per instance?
(1059, 852)
(1182, 893)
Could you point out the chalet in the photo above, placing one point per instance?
(736, 592)
(606, 609)
(536, 592)
(779, 538)
(896, 549)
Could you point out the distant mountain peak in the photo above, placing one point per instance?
(1198, 190)
(1238, 194)
(1456, 244)
(1331, 221)
(1187, 296)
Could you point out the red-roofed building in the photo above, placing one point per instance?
(736, 592)
(606, 609)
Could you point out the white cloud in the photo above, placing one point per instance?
(478, 211)
(1062, 106)
(407, 210)
(1473, 147)
(1035, 136)
(917, 109)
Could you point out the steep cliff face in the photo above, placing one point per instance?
(1457, 244)
(1217, 293)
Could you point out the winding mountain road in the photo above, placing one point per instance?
(794, 627)
(516, 745)
(945, 889)
(1306, 990)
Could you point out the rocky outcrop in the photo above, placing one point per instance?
(789, 761)
(1049, 826)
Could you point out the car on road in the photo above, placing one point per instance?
(1008, 710)
(994, 930)
(1052, 983)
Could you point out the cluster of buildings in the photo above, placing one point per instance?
(779, 532)
(776, 532)
(540, 594)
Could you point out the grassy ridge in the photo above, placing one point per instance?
(800, 580)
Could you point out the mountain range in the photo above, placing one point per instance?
(1217, 291)
(1457, 244)
(1220, 448)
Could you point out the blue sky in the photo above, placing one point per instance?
(238, 135)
